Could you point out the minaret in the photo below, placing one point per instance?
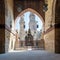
(32, 23)
(22, 27)
(29, 39)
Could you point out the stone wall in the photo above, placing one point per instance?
(7, 40)
(25, 4)
(9, 26)
(41, 44)
(2, 27)
(17, 42)
(49, 15)
(57, 27)
(50, 41)
(57, 40)
(12, 41)
(2, 40)
(49, 36)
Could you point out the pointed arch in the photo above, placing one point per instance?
(33, 11)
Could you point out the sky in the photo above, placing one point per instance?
(26, 19)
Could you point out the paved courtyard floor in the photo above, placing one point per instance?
(30, 55)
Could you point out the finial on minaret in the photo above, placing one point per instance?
(22, 17)
(29, 31)
(31, 14)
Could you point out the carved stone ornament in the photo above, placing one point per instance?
(19, 8)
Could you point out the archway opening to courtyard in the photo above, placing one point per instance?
(29, 28)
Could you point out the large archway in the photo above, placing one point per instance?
(29, 10)
(33, 11)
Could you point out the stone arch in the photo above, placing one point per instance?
(33, 11)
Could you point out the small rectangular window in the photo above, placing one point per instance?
(37, 26)
(24, 26)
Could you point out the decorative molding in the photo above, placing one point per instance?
(33, 11)
(9, 29)
(49, 29)
(19, 7)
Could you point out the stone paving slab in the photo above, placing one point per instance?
(30, 55)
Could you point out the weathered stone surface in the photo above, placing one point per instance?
(49, 39)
